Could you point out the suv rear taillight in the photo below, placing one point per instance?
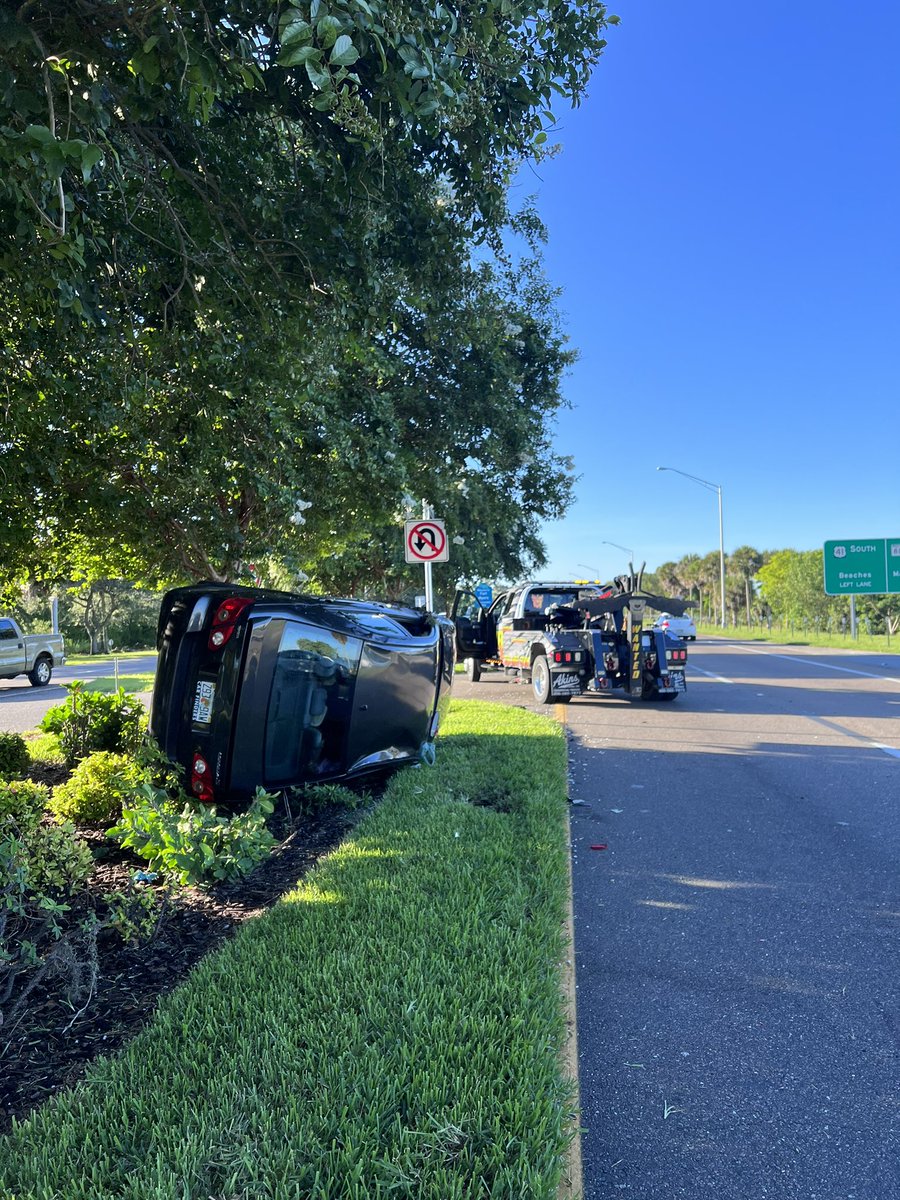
(224, 619)
(201, 779)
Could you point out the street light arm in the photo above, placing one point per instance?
(713, 487)
(618, 547)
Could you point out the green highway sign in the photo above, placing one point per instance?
(862, 567)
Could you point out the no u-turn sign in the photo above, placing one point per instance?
(426, 541)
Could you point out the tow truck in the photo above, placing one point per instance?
(574, 638)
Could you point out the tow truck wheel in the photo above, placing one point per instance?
(473, 670)
(540, 680)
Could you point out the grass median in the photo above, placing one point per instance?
(128, 683)
(392, 1028)
(864, 643)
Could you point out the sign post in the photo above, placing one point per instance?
(861, 567)
(425, 541)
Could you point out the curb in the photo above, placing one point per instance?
(572, 1184)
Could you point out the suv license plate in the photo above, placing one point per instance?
(203, 702)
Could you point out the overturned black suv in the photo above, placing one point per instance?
(261, 688)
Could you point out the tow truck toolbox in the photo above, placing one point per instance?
(574, 638)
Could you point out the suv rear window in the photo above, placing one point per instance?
(306, 724)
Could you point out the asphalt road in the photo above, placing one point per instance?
(22, 706)
(738, 942)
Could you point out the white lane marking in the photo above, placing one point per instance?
(720, 678)
(814, 662)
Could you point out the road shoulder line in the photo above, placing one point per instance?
(814, 662)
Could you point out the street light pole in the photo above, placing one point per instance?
(717, 488)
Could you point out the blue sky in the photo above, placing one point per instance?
(724, 221)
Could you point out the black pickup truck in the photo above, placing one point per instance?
(575, 638)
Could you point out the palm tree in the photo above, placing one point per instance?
(708, 571)
(745, 562)
(667, 579)
(688, 577)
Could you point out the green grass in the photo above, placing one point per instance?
(44, 747)
(391, 1029)
(128, 683)
(879, 643)
(81, 660)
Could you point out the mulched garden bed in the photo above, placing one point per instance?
(53, 1039)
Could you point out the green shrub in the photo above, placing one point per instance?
(22, 802)
(14, 758)
(59, 861)
(303, 802)
(96, 789)
(158, 770)
(134, 913)
(193, 843)
(91, 721)
(40, 865)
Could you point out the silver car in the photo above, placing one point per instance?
(682, 627)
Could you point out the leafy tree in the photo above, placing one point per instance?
(882, 612)
(231, 243)
(96, 604)
(791, 585)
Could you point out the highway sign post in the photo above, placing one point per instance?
(861, 567)
(425, 541)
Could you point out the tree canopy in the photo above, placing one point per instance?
(255, 285)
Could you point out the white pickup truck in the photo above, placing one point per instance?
(34, 655)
